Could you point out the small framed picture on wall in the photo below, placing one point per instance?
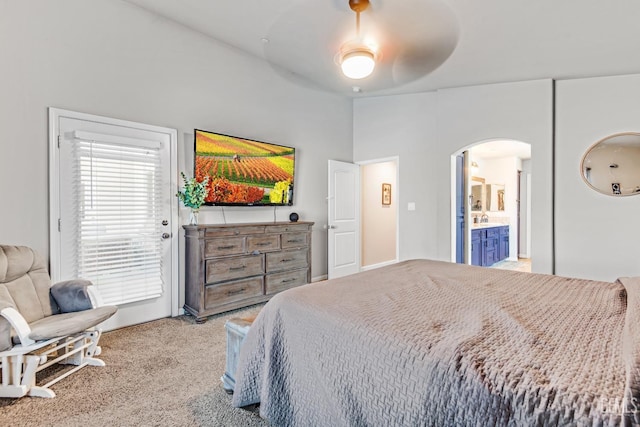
(386, 194)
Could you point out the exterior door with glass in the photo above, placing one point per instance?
(114, 210)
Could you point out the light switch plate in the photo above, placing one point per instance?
(411, 206)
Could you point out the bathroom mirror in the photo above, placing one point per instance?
(612, 165)
(494, 199)
(486, 197)
(477, 196)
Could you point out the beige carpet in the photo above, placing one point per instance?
(162, 373)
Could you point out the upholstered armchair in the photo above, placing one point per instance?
(41, 324)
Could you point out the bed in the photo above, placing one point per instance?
(434, 343)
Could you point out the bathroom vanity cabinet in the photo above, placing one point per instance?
(489, 244)
(503, 243)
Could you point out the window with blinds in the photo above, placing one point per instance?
(116, 200)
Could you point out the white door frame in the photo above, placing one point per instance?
(396, 160)
(54, 191)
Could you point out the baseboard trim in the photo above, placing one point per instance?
(319, 278)
(378, 265)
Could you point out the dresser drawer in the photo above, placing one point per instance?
(286, 260)
(288, 228)
(233, 268)
(277, 282)
(264, 243)
(233, 231)
(295, 240)
(226, 246)
(225, 293)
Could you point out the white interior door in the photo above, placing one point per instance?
(114, 210)
(344, 219)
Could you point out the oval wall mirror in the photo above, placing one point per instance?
(612, 165)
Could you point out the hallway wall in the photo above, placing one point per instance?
(378, 220)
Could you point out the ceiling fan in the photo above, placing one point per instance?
(393, 42)
(357, 57)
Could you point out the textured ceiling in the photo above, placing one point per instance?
(427, 44)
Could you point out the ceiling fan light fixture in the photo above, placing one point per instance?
(356, 58)
(358, 63)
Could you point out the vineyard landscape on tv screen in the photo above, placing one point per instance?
(244, 171)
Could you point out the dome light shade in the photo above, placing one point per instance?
(358, 63)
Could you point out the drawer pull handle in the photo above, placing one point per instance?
(294, 241)
(226, 247)
(236, 292)
(263, 244)
(288, 280)
(287, 260)
(237, 268)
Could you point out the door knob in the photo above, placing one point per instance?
(166, 235)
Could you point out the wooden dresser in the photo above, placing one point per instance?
(235, 265)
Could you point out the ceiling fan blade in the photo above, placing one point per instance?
(304, 41)
(417, 37)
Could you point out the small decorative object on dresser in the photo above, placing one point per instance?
(293, 217)
(236, 265)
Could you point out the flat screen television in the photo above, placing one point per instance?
(243, 172)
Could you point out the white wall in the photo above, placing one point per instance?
(521, 111)
(378, 220)
(113, 59)
(597, 235)
(404, 126)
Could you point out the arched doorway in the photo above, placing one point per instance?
(492, 193)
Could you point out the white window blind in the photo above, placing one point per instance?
(116, 207)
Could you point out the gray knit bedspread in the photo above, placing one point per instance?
(427, 343)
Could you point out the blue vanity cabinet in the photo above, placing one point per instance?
(503, 245)
(476, 247)
(489, 245)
